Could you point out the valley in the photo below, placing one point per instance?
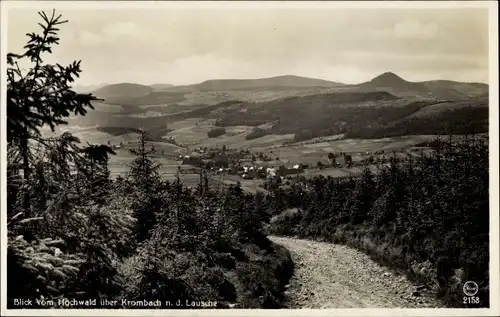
(290, 120)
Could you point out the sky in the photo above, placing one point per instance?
(189, 46)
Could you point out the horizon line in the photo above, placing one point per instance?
(278, 76)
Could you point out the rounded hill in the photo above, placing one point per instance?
(289, 81)
(123, 90)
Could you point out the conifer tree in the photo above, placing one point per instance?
(145, 178)
(59, 244)
(143, 171)
(42, 95)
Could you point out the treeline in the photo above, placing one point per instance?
(256, 133)
(467, 120)
(235, 121)
(155, 134)
(75, 233)
(151, 98)
(118, 130)
(428, 216)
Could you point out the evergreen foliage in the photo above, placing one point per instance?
(256, 133)
(433, 209)
(74, 233)
(216, 132)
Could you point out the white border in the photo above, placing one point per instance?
(494, 310)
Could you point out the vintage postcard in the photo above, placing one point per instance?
(249, 158)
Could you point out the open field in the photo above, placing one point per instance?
(161, 147)
(92, 135)
(168, 170)
(312, 153)
(340, 172)
(104, 107)
(248, 185)
(238, 141)
(193, 133)
(118, 165)
(145, 114)
(191, 122)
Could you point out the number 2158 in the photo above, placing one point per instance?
(471, 300)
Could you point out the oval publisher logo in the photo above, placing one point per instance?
(470, 288)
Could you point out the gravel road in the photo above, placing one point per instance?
(336, 276)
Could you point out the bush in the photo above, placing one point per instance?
(256, 133)
(216, 132)
(303, 136)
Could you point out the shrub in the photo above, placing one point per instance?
(256, 133)
(302, 136)
(216, 132)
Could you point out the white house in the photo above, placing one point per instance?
(271, 171)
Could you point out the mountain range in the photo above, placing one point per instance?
(129, 94)
(439, 89)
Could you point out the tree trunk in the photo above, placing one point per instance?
(26, 168)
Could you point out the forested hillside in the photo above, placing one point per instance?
(360, 115)
(428, 216)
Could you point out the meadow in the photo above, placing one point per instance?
(311, 153)
(192, 133)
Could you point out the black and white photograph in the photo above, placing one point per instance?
(293, 158)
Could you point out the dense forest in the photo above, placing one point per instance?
(467, 120)
(428, 216)
(358, 116)
(75, 234)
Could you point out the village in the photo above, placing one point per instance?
(248, 165)
(238, 164)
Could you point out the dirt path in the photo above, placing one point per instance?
(336, 276)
